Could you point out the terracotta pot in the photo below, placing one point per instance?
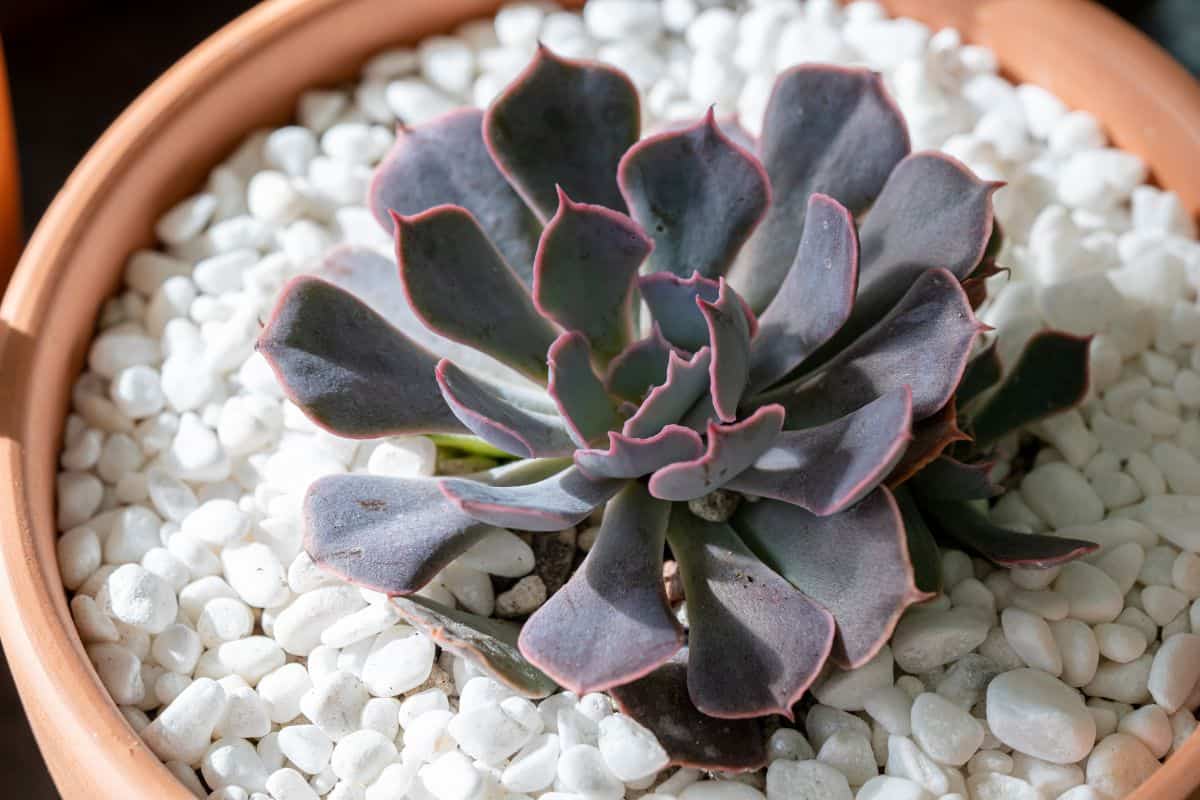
(249, 75)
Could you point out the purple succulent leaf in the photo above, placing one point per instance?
(374, 278)
(558, 502)
(485, 642)
(349, 370)
(698, 194)
(499, 421)
(580, 396)
(832, 130)
(923, 342)
(1051, 375)
(584, 273)
(816, 297)
(610, 623)
(855, 564)
(946, 478)
(461, 288)
(627, 457)
(731, 449)
(931, 436)
(923, 550)
(391, 535)
(729, 331)
(686, 382)
(672, 303)
(563, 123)
(756, 643)
(960, 522)
(932, 213)
(730, 128)
(445, 162)
(639, 367)
(983, 372)
(831, 467)
(661, 702)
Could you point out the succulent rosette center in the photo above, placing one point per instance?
(640, 323)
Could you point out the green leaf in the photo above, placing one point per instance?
(469, 444)
(923, 549)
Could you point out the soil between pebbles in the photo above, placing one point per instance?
(252, 674)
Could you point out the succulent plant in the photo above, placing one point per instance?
(647, 325)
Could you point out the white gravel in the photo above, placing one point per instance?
(254, 675)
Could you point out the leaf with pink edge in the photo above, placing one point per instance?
(640, 367)
(374, 278)
(627, 457)
(672, 303)
(610, 623)
(931, 437)
(832, 130)
(553, 504)
(855, 564)
(583, 278)
(1051, 375)
(686, 381)
(756, 643)
(563, 123)
(833, 466)
(445, 162)
(661, 702)
(966, 525)
(729, 331)
(483, 641)
(946, 478)
(731, 450)
(461, 288)
(500, 421)
(349, 370)
(816, 296)
(391, 535)
(923, 343)
(578, 393)
(697, 193)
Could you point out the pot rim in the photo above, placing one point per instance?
(63, 696)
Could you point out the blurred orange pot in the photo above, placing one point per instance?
(250, 75)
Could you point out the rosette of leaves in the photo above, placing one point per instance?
(640, 324)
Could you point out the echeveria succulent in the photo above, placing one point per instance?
(641, 324)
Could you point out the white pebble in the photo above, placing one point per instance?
(1037, 714)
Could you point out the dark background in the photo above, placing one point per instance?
(75, 64)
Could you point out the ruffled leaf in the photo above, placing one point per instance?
(500, 421)
(349, 370)
(610, 623)
(931, 437)
(392, 535)
(553, 504)
(923, 550)
(485, 642)
(640, 367)
(445, 162)
(816, 296)
(374, 279)
(661, 702)
(672, 303)
(731, 450)
(962, 523)
(583, 278)
(830, 467)
(1050, 376)
(697, 193)
(563, 123)
(578, 393)
(627, 457)
(832, 130)
(460, 287)
(686, 381)
(729, 331)
(982, 373)
(855, 564)
(946, 478)
(923, 343)
(755, 642)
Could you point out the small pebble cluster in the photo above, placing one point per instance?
(252, 674)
